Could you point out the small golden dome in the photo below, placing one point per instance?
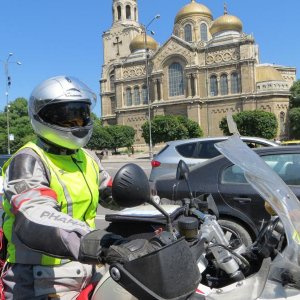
(226, 23)
(191, 9)
(138, 43)
(267, 73)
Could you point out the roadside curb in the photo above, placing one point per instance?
(123, 158)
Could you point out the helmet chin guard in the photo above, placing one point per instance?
(53, 94)
(63, 137)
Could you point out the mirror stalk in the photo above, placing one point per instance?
(169, 225)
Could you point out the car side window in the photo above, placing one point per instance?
(206, 149)
(187, 150)
(287, 166)
(256, 144)
(233, 174)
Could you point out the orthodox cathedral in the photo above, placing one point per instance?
(207, 68)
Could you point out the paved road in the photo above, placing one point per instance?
(112, 166)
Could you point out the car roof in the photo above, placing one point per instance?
(216, 138)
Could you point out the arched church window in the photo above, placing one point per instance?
(112, 81)
(136, 96)
(128, 97)
(188, 32)
(214, 85)
(203, 32)
(119, 12)
(235, 83)
(144, 95)
(128, 12)
(176, 86)
(224, 84)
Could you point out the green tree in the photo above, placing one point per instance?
(167, 128)
(194, 130)
(295, 95)
(294, 117)
(121, 136)
(100, 139)
(253, 123)
(19, 125)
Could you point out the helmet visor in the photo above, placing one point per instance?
(60, 89)
(68, 114)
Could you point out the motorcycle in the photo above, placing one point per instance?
(195, 259)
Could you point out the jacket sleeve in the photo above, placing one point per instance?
(36, 210)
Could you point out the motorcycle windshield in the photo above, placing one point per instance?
(272, 189)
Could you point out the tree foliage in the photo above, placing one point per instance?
(100, 139)
(194, 130)
(253, 123)
(170, 127)
(294, 112)
(19, 126)
(294, 117)
(121, 136)
(295, 95)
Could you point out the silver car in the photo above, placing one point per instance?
(194, 151)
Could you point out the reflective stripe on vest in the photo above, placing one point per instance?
(75, 179)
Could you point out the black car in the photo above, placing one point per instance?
(240, 206)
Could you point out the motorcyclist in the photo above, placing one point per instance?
(52, 189)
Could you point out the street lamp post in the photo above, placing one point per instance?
(8, 83)
(145, 29)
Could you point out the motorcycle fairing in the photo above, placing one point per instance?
(250, 288)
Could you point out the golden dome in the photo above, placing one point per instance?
(138, 43)
(225, 23)
(193, 8)
(267, 73)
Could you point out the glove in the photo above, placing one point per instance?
(129, 251)
(94, 243)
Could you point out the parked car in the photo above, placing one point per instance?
(3, 159)
(194, 151)
(238, 203)
(290, 143)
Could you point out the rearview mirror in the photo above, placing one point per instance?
(131, 186)
(182, 170)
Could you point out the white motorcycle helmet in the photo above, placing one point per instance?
(60, 111)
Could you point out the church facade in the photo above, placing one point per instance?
(207, 68)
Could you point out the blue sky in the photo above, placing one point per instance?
(56, 37)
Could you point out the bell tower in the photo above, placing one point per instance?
(116, 41)
(125, 11)
(124, 28)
